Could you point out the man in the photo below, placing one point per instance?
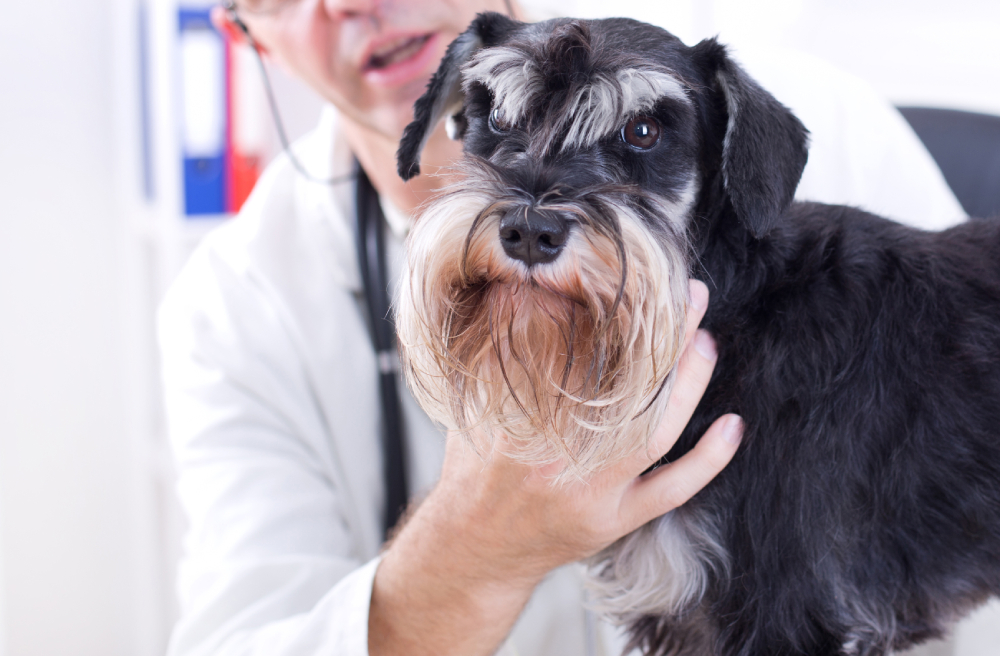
(271, 395)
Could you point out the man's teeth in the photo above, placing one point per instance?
(396, 51)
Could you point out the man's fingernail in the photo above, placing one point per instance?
(705, 345)
(699, 294)
(732, 432)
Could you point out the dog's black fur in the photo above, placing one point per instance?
(864, 357)
(862, 511)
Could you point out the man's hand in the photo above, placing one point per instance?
(460, 571)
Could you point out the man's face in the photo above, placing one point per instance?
(370, 58)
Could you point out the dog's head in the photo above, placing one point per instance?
(546, 292)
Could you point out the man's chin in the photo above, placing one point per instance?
(382, 124)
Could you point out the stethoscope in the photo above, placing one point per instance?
(370, 248)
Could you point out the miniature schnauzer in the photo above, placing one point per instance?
(606, 163)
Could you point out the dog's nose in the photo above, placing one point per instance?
(533, 237)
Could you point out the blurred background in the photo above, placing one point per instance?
(103, 191)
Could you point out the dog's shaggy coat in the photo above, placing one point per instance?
(861, 514)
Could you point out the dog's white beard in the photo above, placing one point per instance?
(572, 361)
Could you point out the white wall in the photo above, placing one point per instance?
(3, 614)
(922, 52)
(915, 52)
(66, 524)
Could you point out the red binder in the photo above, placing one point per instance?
(247, 137)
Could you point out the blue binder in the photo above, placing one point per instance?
(202, 54)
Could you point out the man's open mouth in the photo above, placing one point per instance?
(397, 50)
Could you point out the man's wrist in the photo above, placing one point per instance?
(438, 591)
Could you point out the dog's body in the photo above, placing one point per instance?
(862, 512)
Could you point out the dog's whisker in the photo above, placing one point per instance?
(570, 350)
(503, 370)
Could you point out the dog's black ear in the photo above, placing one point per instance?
(765, 146)
(444, 97)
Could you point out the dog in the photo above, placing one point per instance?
(606, 163)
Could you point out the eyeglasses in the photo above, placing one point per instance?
(259, 7)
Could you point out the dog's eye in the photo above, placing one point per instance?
(641, 132)
(498, 121)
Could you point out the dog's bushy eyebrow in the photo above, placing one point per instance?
(590, 109)
(600, 107)
(510, 74)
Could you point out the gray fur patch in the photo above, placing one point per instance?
(662, 569)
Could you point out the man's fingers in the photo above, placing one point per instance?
(698, 292)
(694, 371)
(672, 485)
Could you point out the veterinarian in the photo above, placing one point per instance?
(272, 382)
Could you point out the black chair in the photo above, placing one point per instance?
(966, 147)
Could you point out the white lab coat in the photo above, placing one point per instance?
(270, 384)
